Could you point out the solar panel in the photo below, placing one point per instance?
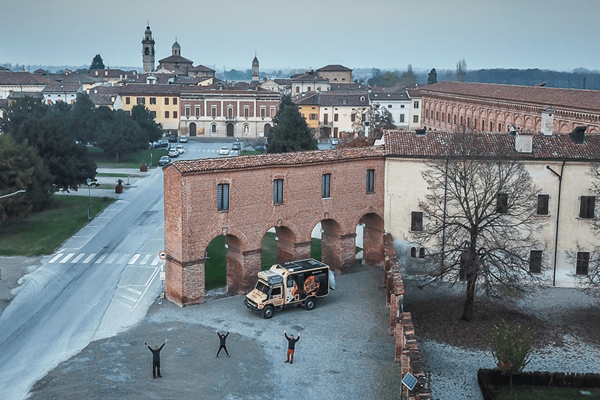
(409, 381)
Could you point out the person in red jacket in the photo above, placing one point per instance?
(291, 347)
(156, 359)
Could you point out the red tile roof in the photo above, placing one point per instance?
(278, 159)
(572, 99)
(494, 145)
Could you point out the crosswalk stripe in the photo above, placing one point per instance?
(101, 258)
(123, 258)
(156, 260)
(145, 259)
(134, 259)
(112, 257)
(67, 258)
(89, 258)
(79, 257)
(56, 257)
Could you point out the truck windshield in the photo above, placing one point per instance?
(260, 285)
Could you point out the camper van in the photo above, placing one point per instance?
(291, 284)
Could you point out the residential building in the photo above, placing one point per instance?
(13, 82)
(396, 101)
(308, 82)
(416, 106)
(61, 91)
(335, 73)
(308, 106)
(342, 113)
(161, 100)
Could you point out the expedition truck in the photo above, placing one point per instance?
(291, 284)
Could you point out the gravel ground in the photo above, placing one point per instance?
(565, 322)
(12, 272)
(345, 352)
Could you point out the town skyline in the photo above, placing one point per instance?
(388, 35)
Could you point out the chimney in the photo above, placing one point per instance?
(548, 122)
(523, 143)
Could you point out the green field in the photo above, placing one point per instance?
(129, 160)
(547, 393)
(41, 233)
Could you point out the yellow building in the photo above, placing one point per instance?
(308, 106)
(161, 100)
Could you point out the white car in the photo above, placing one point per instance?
(173, 152)
(224, 151)
(180, 148)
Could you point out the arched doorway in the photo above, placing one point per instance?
(372, 239)
(279, 246)
(230, 130)
(267, 129)
(193, 129)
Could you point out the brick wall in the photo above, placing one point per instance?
(407, 349)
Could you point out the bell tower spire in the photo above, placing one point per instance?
(148, 50)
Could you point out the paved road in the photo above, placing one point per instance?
(99, 282)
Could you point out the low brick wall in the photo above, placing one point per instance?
(407, 349)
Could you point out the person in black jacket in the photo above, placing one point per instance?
(222, 339)
(156, 359)
(291, 346)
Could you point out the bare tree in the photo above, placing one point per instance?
(378, 117)
(461, 71)
(479, 220)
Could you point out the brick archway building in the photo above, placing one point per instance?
(488, 107)
(243, 197)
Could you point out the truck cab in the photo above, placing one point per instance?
(291, 284)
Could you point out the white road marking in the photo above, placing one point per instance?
(56, 257)
(129, 298)
(111, 258)
(79, 257)
(145, 260)
(67, 258)
(124, 258)
(147, 286)
(134, 259)
(101, 258)
(89, 258)
(134, 291)
(156, 260)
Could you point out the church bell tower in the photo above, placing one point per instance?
(255, 73)
(148, 51)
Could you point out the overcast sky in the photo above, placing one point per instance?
(387, 34)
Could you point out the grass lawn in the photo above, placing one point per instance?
(130, 160)
(112, 175)
(547, 393)
(248, 152)
(215, 264)
(41, 233)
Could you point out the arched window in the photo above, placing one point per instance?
(213, 128)
(422, 252)
(413, 252)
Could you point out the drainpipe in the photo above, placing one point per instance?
(444, 218)
(557, 216)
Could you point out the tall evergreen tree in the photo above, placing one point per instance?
(432, 77)
(120, 135)
(97, 62)
(82, 119)
(461, 71)
(291, 133)
(144, 119)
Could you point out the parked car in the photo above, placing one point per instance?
(224, 151)
(234, 153)
(173, 152)
(161, 144)
(335, 141)
(173, 138)
(236, 146)
(164, 160)
(260, 148)
(180, 148)
(183, 139)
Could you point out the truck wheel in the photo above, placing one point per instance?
(267, 312)
(309, 304)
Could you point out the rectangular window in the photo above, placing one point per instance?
(127, 100)
(352, 117)
(542, 204)
(213, 112)
(153, 114)
(197, 111)
(416, 221)
(166, 114)
(437, 115)
(454, 119)
(273, 112)
(586, 207)
(246, 112)
(502, 203)
(326, 185)
(152, 100)
(174, 114)
(313, 117)
(416, 104)
(535, 261)
(483, 125)
(174, 101)
(416, 119)
(370, 181)
(188, 110)
(401, 117)
(583, 263)
(335, 117)
(166, 101)
(263, 112)
(223, 197)
(141, 100)
(278, 191)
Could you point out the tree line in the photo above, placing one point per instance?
(43, 147)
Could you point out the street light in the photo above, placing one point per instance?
(89, 185)
(12, 194)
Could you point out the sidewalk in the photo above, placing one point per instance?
(133, 175)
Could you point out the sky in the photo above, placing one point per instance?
(386, 34)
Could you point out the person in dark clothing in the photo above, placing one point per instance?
(222, 339)
(291, 347)
(156, 359)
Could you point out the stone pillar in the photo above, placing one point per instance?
(338, 251)
(373, 244)
(185, 283)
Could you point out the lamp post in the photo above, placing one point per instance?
(12, 194)
(89, 185)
